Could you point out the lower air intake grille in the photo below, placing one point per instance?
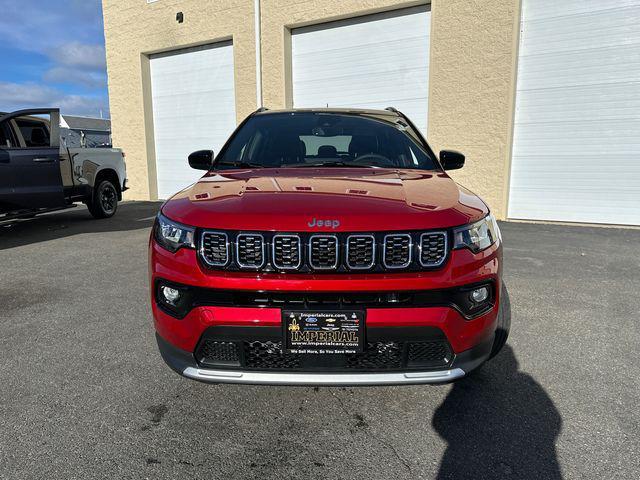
(433, 248)
(377, 356)
(215, 248)
(218, 353)
(268, 355)
(382, 355)
(428, 354)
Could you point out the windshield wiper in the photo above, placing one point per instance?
(330, 164)
(239, 164)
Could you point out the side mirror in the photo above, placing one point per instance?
(201, 160)
(451, 160)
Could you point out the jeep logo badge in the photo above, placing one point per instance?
(324, 223)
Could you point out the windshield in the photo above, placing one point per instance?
(308, 139)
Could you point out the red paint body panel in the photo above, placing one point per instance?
(462, 267)
(363, 200)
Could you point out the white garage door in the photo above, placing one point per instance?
(576, 152)
(375, 61)
(193, 109)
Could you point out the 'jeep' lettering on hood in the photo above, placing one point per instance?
(324, 223)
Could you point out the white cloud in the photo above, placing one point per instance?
(15, 96)
(89, 79)
(76, 54)
(36, 25)
(69, 33)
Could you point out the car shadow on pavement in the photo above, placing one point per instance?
(75, 221)
(499, 423)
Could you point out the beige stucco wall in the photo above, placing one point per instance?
(472, 71)
(134, 29)
(472, 90)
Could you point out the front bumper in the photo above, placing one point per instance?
(470, 340)
(183, 362)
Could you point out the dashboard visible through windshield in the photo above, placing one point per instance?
(319, 139)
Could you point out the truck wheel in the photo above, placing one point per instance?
(104, 201)
(504, 323)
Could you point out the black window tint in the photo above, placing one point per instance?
(296, 139)
(35, 134)
(6, 138)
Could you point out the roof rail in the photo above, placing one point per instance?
(261, 109)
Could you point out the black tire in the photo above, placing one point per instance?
(504, 323)
(104, 201)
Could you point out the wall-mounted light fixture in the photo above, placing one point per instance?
(179, 17)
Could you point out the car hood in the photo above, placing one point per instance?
(350, 199)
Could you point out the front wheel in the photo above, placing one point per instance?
(104, 201)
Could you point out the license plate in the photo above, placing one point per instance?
(324, 332)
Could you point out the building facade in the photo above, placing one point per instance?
(536, 93)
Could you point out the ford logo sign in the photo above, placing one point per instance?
(311, 320)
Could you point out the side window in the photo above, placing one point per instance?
(34, 132)
(6, 136)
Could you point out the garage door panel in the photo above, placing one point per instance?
(551, 9)
(576, 146)
(613, 137)
(370, 62)
(598, 66)
(606, 102)
(600, 29)
(335, 60)
(193, 101)
(585, 189)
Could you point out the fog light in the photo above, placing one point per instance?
(479, 295)
(171, 295)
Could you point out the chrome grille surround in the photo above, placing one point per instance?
(284, 255)
(321, 249)
(432, 249)
(361, 242)
(323, 252)
(214, 248)
(250, 250)
(391, 257)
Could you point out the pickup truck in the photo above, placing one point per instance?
(39, 173)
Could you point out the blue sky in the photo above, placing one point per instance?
(52, 55)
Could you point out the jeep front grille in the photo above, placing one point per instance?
(250, 252)
(361, 252)
(323, 252)
(287, 254)
(433, 248)
(397, 250)
(376, 252)
(214, 249)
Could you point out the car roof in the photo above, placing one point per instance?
(357, 111)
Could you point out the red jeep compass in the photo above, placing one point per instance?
(327, 247)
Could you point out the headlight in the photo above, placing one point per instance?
(477, 236)
(172, 235)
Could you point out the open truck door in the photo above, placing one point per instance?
(30, 158)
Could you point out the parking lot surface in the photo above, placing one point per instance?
(84, 393)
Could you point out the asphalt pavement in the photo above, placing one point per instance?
(84, 393)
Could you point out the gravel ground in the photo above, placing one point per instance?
(84, 393)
